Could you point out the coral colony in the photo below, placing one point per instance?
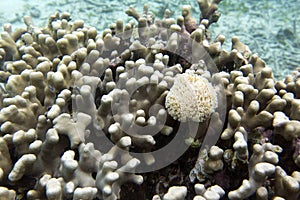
(149, 109)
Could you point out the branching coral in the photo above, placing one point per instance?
(83, 112)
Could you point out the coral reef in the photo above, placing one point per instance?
(153, 108)
(275, 38)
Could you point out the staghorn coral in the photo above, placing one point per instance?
(6, 162)
(207, 163)
(214, 192)
(67, 85)
(209, 9)
(261, 165)
(174, 193)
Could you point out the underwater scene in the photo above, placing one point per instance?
(150, 100)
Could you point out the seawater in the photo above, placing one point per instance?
(269, 27)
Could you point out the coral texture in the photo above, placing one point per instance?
(191, 97)
(152, 108)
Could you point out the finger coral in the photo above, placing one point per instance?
(151, 108)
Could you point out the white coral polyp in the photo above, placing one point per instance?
(191, 97)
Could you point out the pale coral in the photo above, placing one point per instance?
(191, 97)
